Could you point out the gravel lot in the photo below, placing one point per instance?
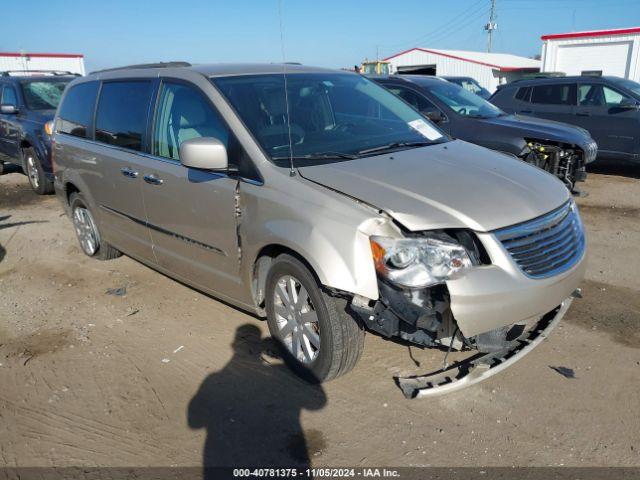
(164, 375)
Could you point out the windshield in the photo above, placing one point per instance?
(332, 115)
(630, 85)
(43, 95)
(463, 102)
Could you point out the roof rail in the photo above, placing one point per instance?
(529, 76)
(146, 65)
(7, 73)
(533, 76)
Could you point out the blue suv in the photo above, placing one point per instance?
(28, 102)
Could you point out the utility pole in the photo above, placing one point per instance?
(492, 25)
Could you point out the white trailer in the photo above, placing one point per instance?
(488, 69)
(599, 52)
(33, 62)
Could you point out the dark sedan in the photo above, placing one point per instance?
(561, 149)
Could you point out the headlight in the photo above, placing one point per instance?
(417, 262)
(48, 127)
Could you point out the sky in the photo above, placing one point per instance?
(327, 33)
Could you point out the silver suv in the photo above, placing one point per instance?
(322, 201)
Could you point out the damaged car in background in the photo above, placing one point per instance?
(323, 202)
(561, 149)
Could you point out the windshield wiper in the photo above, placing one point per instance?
(391, 146)
(320, 156)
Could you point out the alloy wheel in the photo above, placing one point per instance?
(32, 172)
(296, 318)
(86, 230)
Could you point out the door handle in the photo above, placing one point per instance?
(526, 111)
(153, 180)
(127, 172)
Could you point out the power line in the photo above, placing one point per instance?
(472, 10)
(447, 36)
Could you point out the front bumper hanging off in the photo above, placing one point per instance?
(478, 368)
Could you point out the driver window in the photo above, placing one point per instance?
(183, 113)
(599, 96)
(416, 101)
(611, 97)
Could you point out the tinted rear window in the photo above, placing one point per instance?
(122, 113)
(557, 94)
(76, 111)
(523, 94)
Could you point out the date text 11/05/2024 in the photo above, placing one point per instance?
(315, 473)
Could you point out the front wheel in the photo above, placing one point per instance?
(320, 339)
(34, 171)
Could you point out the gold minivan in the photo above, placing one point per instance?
(321, 201)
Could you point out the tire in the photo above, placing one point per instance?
(341, 338)
(86, 227)
(34, 172)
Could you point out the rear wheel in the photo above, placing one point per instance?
(37, 177)
(320, 339)
(87, 231)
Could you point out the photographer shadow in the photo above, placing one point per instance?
(251, 410)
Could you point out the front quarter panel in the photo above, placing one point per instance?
(329, 230)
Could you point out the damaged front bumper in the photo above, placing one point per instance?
(479, 368)
(493, 309)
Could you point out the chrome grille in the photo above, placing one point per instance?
(547, 245)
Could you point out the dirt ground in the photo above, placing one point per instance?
(164, 375)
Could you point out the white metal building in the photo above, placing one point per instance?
(606, 52)
(488, 69)
(30, 62)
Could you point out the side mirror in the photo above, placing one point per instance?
(8, 109)
(434, 115)
(628, 103)
(207, 153)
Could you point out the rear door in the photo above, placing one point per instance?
(115, 167)
(553, 101)
(9, 128)
(191, 212)
(615, 129)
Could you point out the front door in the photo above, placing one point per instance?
(615, 129)
(9, 129)
(191, 212)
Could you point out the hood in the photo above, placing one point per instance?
(449, 185)
(541, 129)
(41, 116)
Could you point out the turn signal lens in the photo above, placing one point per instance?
(48, 128)
(379, 254)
